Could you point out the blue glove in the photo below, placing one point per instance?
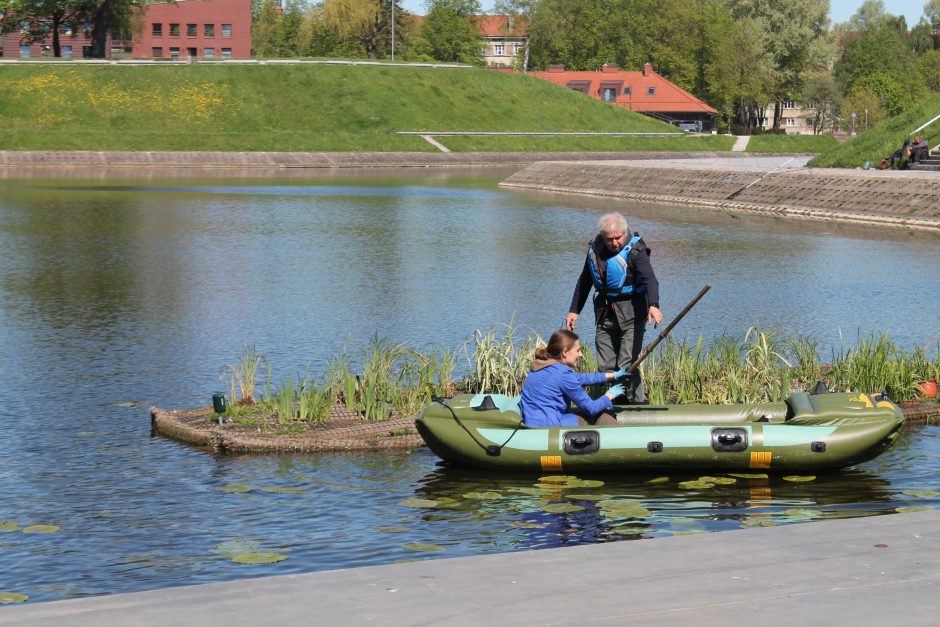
(616, 390)
(622, 374)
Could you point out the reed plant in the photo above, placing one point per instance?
(242, 375)
(500, 360)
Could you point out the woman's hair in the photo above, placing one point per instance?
(561, 340)
(612, 223)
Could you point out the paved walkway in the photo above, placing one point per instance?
(880, 570)
(740, 143)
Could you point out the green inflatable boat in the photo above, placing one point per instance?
(807, 432)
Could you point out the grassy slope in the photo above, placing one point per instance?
(791, 143)
(289, 107)
(875, 144)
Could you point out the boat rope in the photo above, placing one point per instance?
(490, 449)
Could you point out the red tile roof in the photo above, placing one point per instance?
(667, 96)
(499, 26)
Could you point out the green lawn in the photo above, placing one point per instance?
(791, 143)
(297, 108)
(874, 145)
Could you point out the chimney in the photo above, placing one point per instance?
(647, 69)
(557, 67)
(610, 67)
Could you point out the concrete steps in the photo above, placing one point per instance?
(931, 164)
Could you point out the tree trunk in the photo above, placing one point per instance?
(778, 114)
(100, 29)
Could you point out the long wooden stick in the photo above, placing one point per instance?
(665, 332)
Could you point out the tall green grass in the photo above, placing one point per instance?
(873, 145)
(282, 107)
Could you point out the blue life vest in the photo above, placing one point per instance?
(612, 278)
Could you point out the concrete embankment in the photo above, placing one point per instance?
(17, 160)
(876, 570)
(904, 199)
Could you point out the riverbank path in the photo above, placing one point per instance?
(876, 570)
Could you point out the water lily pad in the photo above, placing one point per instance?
(624, 509)
(413, 502)
(687, 524)
(282, 490)
(12, 597)
(718, 480)
(907, 510)
(231, 548)
(557, 478)
(658, 480)
(483, 496)
(235, 488)
(9, 526)
(562, 508)
(262, 557)
(588, 497)
(423, 548)
(753, 475)
(629, 529)
(126, 404)
(583, 483)
(527, 524)
(446, 502)
(921, 493)
(799, 478)
(802, 513)
(391, 529)
(751, 522)
(695, 485)
(41, 529)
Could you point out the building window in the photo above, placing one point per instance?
(66, 30)
(226, 53)
(499, 49)
(789, 104)
(192, 30)
(24, 51)
(227, 31)
(174, 53)
(67, 51)
(209, 53)
(651, 91)
(609, 94)
(174, 30)
(157, 30)
(627, 91)
(156, 53)
(208, 30)
(791, 121)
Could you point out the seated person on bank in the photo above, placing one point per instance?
(553, 385)
(897, 159)
(919, 150)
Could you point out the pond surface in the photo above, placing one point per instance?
(118, 291)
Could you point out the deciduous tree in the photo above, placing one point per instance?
(451, 31)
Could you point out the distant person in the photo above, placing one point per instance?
(919, 150)
(626, 298)
(553, 385)
(898, 159)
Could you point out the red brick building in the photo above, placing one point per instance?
(644, 92)
(195, 29)
(198, 29)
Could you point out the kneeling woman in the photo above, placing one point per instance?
(553, 385)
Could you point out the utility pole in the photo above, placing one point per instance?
(393, 30)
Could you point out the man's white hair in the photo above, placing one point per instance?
(612, 223)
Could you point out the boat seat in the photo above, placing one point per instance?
(701, 413)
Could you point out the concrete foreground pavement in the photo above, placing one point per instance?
(881, 570)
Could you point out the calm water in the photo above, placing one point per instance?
(117, 290)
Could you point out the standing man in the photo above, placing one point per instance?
(626, 298)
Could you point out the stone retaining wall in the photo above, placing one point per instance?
(906, 199)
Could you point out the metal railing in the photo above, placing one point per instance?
(923, 126)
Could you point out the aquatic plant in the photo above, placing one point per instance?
(242, 376)
(499, 363)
